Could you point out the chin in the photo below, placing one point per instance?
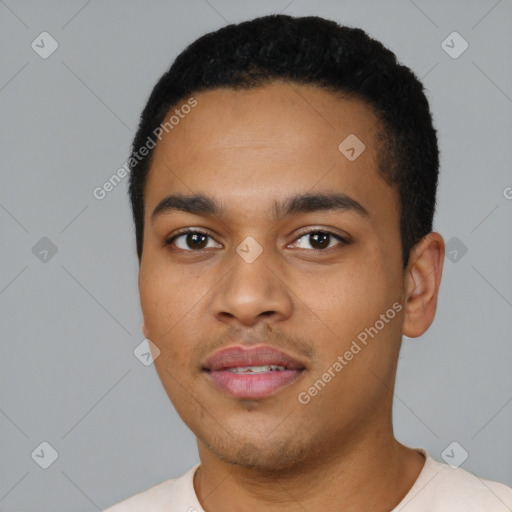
(267, 455)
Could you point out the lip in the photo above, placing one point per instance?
(238, 355)
(251, 385)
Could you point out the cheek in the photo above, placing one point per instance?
(163, 301)
(346, 304)
(170, 302)
(345, 298)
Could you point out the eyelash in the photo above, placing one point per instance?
(187, 231)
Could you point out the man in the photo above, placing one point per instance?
(283, 183)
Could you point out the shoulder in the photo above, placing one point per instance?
(459, 486)
(161, 497)
(444, 488)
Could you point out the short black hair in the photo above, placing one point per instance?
(315, 51)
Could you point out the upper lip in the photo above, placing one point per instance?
(239, 355)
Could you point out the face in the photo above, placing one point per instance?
(312, 280)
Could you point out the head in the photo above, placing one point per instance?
(303, 156)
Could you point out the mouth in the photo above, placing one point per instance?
(252, 372)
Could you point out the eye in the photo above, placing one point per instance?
(190, 240)
(319, 240)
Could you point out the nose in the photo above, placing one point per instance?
(251, 293)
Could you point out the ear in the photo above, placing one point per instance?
(422, 281)
(145, 331)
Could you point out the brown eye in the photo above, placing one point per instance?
(319, 240)
(190, 240)
(196, 241)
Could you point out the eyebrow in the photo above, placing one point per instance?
(200, 204)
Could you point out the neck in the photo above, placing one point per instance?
(374, 473)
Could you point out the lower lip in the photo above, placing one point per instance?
(253, 385)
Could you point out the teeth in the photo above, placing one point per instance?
(256, 369)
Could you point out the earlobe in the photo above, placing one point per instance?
(422, 282)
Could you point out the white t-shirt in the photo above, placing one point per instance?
(438, 488)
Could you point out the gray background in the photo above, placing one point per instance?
(70, 324)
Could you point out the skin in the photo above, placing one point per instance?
(248, 149)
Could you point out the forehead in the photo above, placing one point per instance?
(287, 116)
(246, 146)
